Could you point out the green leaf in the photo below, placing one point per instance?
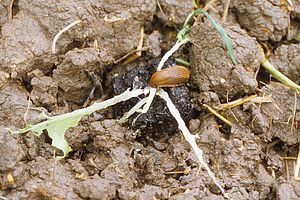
(56, 132)
(221, 31)
(58, 125)
(56, 128)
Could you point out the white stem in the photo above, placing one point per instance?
(191, 139)
(150, 99)
(84, 111)
(133, 110)
(160, 65)
(170, 52)
(296, 173)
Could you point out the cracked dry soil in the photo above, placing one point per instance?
(114, 161)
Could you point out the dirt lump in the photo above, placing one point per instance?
(209, 57)
(174, 12)
(279, 111)
(10, 151)
(96, 188)
(44, 92)
(286, 59)
(263, 19)
(115, 25)
(23, 48)
(77, 64)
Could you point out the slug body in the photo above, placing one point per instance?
(170, 77)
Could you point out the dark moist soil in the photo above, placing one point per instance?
(148, 159)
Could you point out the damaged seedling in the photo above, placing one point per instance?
(57, 126)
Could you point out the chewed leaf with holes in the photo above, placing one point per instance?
(58, 125)
(56, 128)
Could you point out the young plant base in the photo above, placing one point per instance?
(58, 125)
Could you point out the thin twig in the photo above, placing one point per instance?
(139, 46)
(61, 32)
(161, 10)
(227, 99)
(130, 53)
(9, 10)
(185, 172)
(289, 158)
(286, 164)
(27, 110)
(210, 109)
(225, 13)
(94, 164)
(294, 112)
(141, 41)
(235, 103)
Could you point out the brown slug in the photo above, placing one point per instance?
(170, 77)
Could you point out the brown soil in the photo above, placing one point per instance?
(114, 161)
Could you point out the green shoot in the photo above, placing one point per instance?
(183, 62)
(279, 76)
(221, 31)
(297, 37)
(186, 28)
